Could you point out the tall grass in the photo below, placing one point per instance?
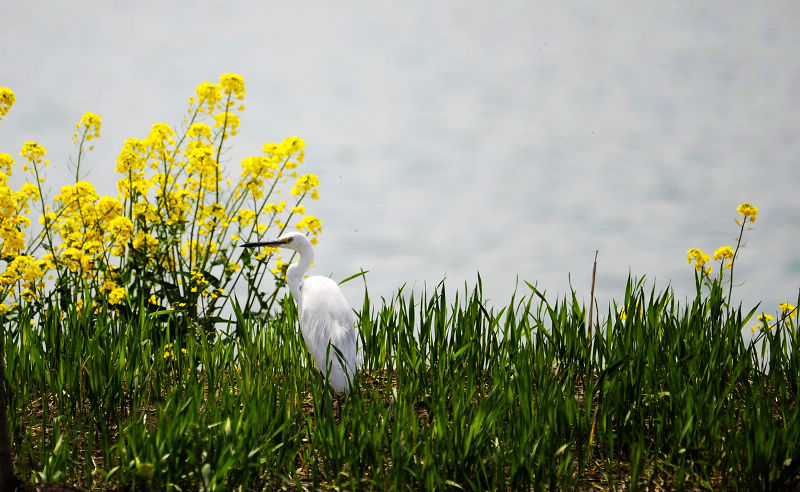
(454, 393)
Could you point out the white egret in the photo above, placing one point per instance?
(324, 314)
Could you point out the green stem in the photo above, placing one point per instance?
(80, 154)
(733, 260)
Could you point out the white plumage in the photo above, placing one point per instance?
(324, 314)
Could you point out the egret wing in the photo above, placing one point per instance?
(326, 317)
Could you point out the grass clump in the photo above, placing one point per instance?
(452, 393)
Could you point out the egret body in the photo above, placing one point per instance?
(324, 314)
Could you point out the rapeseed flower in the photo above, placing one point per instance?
(304, 184)
(748, 210)
(274, 208)
(765, 319)
(91, 124)
(208, 93)
(700, 259)
(7, 99)
(127, 161)
(6, 163)
(228, 120)
(232, 83)
(33, 152)
(117, 295)
(164, 218)
(27, 271)
(725, 253)
(169, 354)
(788, 311)
(313, 224)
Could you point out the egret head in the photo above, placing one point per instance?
(291, 240)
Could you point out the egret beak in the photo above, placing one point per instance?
(273, 244)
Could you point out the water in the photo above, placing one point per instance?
(514, 141)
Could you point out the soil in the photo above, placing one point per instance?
(23, 486)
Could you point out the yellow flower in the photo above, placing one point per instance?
(232, 83)
(313, 224)
(144, 241)
(117, 295)
(748, 210)
(198, 130)
(304, 184)
(30, 191)
(764, 319)
(168, 353)
(699, 258)
(244, 216)
(789, 310)
(25, 270)
(229, 120)
(7, 162)
(7, 99)
(126, 161)
(271, 207)
(89, 121)
(208, 93)
(32, 151)
(725, 252)
(200, 160)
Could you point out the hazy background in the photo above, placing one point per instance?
(511, 139)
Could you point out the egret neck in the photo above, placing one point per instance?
(296, 271)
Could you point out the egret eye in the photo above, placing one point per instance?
(289, 239)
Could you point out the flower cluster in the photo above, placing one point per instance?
(788, 315)
(7, 99)
(700, 260)
(304, 184)
(26, 272)
(90, 123)
(174, 211)
(23, 273)
(748, 210)
(91, 228)
(789, 312)
(169, 352)
(725, 254)
(312, 224)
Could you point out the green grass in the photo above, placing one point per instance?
(454, 393)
